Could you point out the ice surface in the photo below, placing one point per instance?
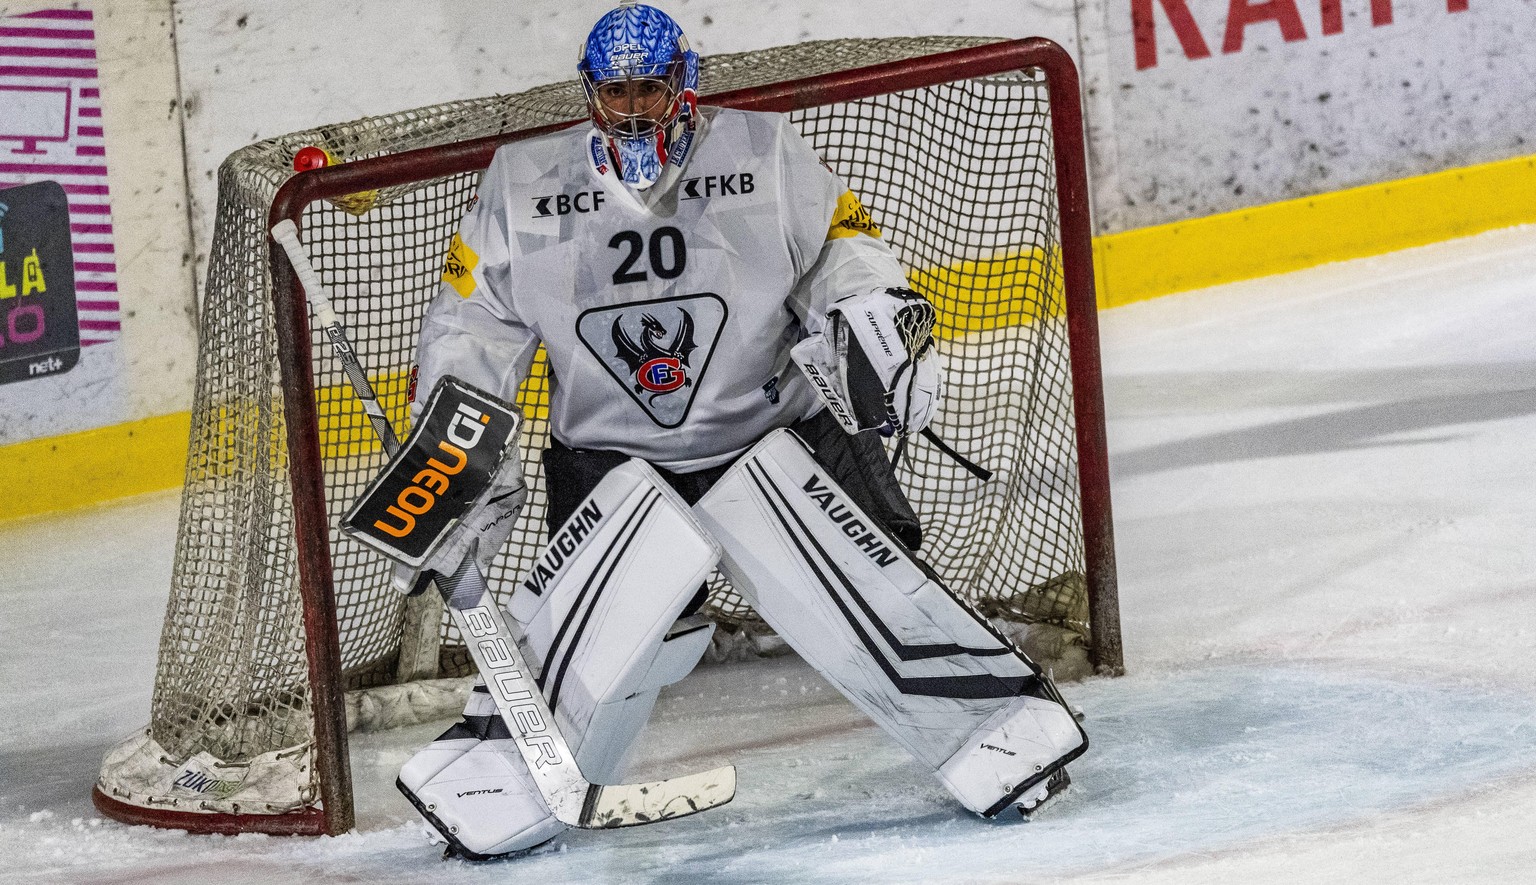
(1324, 525)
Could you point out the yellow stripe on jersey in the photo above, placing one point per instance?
(851, 219)
(458, 267)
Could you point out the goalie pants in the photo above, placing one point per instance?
(858, 464)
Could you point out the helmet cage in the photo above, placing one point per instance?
(636, 116)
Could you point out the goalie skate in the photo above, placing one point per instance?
(1043, 795)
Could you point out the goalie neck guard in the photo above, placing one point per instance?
(641, 80)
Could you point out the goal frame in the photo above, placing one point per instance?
(335, 812)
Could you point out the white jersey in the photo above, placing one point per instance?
(667, 314)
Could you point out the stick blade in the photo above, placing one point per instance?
(630, 805)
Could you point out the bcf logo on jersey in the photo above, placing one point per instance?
(564, 204)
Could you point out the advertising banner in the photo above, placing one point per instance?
(39, 325)
(60, 316)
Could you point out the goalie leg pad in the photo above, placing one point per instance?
(618, 718)
(600, 601)
(598, 614)
(898, 644)
(474, 727)
(1012, 756)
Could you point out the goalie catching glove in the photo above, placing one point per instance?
(875, 365)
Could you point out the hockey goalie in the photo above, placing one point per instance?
(729, 341)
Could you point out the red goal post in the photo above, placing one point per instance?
(1064, 577)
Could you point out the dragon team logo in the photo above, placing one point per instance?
(659, 361)
(658, 350)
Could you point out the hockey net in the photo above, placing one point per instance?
(281, 633)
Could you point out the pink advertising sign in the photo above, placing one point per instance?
(51, 130)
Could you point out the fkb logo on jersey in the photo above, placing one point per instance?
(718, 186)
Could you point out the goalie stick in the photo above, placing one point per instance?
(571, 798)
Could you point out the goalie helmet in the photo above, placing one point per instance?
(641, 81)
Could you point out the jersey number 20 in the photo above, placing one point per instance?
(666, 251)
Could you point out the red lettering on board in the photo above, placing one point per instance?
(1242, 13)
(1144, 29)
(1333, 17)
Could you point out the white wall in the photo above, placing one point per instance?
(1384, 91)
(1292, 111)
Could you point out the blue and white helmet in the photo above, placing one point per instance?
(642, 82)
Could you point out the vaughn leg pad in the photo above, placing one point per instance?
(1012, 756)
(598, 614)
(900, 646)
(618, 719)
(600, 601)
